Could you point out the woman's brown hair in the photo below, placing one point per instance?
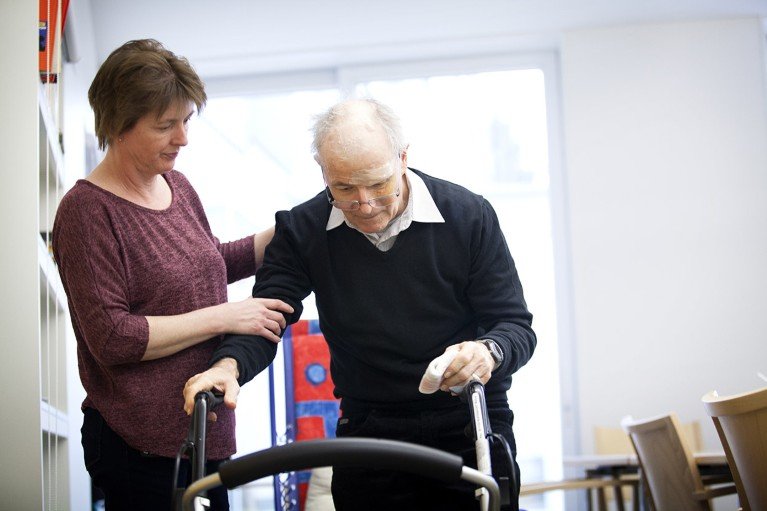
(138, 78)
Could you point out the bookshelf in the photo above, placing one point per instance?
(54, 320)
(40, 422)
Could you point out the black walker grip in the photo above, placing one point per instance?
(213, 397)
(346, 452)
(204, 402)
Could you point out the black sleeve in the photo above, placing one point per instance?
(252, 353)
(496, 294)
(282, 276)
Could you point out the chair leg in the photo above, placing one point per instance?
(602, 505)
(635, 496)
(618, 489)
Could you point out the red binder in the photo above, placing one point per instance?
(50, 38)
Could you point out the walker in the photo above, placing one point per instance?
(377, 453)
(493, 492)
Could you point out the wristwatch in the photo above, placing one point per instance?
(495, 351)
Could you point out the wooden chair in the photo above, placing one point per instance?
(615, 440)
(668, 467)
(609, 440)
(741, 421)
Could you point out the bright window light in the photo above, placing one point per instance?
(249, 156)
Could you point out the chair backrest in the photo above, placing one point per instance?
(741, 422)
(310, 408)
(615, 440)
(667, 464)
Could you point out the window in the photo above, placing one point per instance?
(486, 129)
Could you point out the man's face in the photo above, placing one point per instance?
(362, 168)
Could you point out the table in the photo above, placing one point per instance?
(617, 466)
(703, 458)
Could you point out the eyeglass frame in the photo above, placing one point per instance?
(354, 205)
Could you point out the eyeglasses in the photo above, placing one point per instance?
(354, 205)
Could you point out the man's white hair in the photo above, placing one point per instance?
(326, 122)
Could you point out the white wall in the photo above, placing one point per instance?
(666, 161)
(664, 126)
(665, 130)
(240, 37)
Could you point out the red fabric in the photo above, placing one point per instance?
(311, 349)
(316, 407)
(309, 428)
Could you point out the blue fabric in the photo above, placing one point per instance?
(328, 410)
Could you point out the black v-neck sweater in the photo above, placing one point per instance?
(386, 315)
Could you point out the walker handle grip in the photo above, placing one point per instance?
(356, 452)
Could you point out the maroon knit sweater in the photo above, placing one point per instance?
(120, 262)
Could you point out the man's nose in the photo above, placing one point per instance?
(362, 195)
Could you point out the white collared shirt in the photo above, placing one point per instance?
(420, 208)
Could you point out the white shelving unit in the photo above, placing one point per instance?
(54, 321)
(38, 426)
(48, 273)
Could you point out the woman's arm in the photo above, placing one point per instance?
(260, 241)
(252, 316)
(244, 256)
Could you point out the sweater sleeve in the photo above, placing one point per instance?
(495, 292)
(90, 264)
(239, 257)
(252, 353)
(282, 276)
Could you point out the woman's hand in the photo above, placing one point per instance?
(256, 316)
(222, 376)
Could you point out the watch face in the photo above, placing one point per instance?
(495, 351)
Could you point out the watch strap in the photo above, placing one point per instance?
(495, 351)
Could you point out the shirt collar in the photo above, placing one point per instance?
(424, 208)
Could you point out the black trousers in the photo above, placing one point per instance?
(356, 488)
(131, 480)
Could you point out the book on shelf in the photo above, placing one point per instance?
(52, 17)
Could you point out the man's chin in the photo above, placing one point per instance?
(368, 230)
(368, 227)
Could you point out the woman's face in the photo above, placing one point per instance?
(152, 145)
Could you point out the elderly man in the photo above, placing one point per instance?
(404, 266)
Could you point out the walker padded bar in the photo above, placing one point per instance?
(347, 452)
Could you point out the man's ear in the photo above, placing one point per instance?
(317, 159)
(403, 156)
